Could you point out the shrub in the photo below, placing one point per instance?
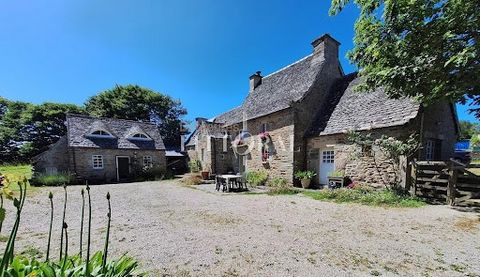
(73, 266)
(280, 185)
(257, 178)
(154, 173)
(308, 174)
(194, 166)
(193, 180)
(364, 195)
(56, 179)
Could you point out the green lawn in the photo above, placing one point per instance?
(16, 172)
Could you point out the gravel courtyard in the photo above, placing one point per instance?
(175, 230)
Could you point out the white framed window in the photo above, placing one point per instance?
(97, 161)
(328, 156)
(147, 161)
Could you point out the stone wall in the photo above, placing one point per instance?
(280, 128)
(55, 159)
(439, 123)
(371, 167)
(82, 166)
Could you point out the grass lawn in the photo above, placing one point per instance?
(385, 198)
(17, 172)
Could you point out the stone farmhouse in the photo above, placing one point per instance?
(103, 149)
(297, 118)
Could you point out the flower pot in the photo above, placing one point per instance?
(305, 183)
(205, 175)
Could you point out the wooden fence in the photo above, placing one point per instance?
(450, 182)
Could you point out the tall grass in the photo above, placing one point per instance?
(56, 179)
(388, 198)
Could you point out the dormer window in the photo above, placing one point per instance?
(139, 136)
(143, 136)
(100, 134)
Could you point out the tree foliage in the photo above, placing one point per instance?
(138, 103)
(427, 49)
(27, 129)
(469, 129)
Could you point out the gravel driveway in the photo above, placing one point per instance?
(183, 231)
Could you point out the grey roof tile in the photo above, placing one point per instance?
(79, 126)
(277, 91)
(347, 110)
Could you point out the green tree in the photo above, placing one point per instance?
(138, 103)
(10, 125)
(43, 125)
(468, 129)
(428, 49)
(27, 129)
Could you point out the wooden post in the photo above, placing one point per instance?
(452, 185)
(413, 172)
(408, 173)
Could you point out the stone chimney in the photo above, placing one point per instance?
(255, 80)
(327, 47)
(199, 120)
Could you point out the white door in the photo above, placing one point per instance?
(327, 165)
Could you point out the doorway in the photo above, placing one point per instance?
(327, 165)
(123, 168)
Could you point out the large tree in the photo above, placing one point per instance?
(469, 129)
(42, 125)
(138, 103)
(427, 49)
(27, 129)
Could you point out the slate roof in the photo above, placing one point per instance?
(80, 126)
(347, 110)
(277, 90)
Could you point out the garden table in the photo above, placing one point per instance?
(229, 178)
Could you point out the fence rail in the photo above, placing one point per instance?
(449, 182)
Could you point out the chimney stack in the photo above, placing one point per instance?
(255, 80)
(326, 46)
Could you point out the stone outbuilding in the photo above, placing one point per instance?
(104, 149)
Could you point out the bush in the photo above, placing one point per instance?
(154, 173)
(73, 266)
(280, 185)
(194, 166)
(56, 179)
(257, 178)
(308, 174)
(367, 196)
(192, 180)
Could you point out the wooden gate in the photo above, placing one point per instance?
(449, 182)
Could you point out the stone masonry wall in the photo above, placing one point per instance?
(439, 123)
(55, 159)
(81, 162)
(371, 167)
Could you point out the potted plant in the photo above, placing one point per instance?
(336, 179)
(206, 172)
(305, 177)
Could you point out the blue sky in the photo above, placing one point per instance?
(200, 52)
